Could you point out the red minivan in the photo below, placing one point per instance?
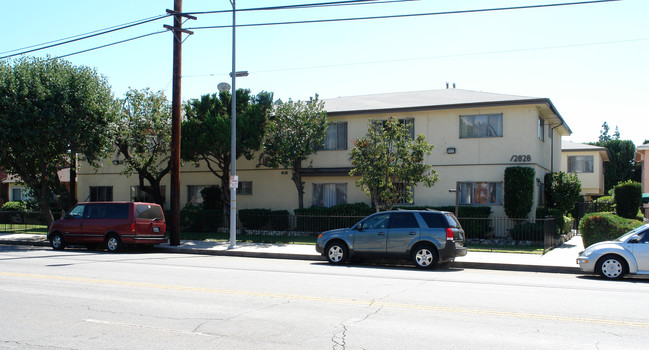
(109, 224)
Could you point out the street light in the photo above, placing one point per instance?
(234, 181)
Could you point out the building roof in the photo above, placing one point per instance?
(431, 99)
(569, 146)
(64, 176)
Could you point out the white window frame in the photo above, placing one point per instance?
(483, 189)
(327, 194)
(244, 188)
(472, 129)
(583, 163)
(334, 141)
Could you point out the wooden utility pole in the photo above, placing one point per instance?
(175, 120)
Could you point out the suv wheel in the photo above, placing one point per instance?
(114, 244)
(337, 253)
(425, 256)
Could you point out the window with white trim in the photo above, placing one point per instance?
(580, 164)
(137, 195)
(328, 195)
(481, 192)
(336, 138)
(480, 126)
(245, 188)
(101, 193)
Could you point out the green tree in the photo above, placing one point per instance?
(621, 167)
(143, 138)
(49, 111)
(390, 163)
(603, 134)
(564, 191)
(206, 131)
(519, 191)
(295, 131)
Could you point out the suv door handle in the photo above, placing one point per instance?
(381, 233)
(412, 233)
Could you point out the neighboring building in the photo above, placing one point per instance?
(642, 155)
(587, 162)
(476, 135)
(17, 191)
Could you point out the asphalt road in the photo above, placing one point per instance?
(76, 299)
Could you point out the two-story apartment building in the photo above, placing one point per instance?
(476, 136)
(587, 161)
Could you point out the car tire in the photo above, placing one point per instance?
(57, 242)
(337, 253)
(612, 267)
(425, 256)
(114, 244)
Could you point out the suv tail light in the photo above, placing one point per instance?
(449, 234)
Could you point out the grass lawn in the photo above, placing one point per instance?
(23, 228)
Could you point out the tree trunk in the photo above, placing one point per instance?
(299, 185)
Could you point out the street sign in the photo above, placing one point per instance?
(234, 182)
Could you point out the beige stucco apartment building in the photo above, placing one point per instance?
(587, 161)
(476, 136)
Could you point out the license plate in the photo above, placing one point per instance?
(156, 229)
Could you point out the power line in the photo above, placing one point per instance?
(111, 44)
(303, 6)
(94, 34)
(407, 15)
(75, 36)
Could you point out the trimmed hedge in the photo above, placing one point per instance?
(519, 191)
(598, 227)
(258, 219)
(14, 206)
(628, 198)
(528, 231)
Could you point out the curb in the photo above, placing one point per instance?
(312, 257)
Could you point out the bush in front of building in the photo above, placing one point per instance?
(519, 191)
(562, 191)
(528, 231)
(14, 206)
(264, 219)
(628, 198)
(598, 227)
(564, 222)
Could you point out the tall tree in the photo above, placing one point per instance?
(390, 163)
(206, 131)
(50, 110)
(603, 134)
(143, 138)
(295, 132)
(564, 191)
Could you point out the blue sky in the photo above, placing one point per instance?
(590, 60)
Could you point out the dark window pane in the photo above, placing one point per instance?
(435, 220)
(403, 220)
(117, 211)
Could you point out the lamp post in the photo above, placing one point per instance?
(234, 180)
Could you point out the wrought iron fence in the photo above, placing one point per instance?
(23, 221)
(498, 233)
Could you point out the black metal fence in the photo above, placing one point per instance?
(23, 221)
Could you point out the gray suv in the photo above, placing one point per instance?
(427, 237)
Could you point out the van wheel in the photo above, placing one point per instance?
(114, 244)
(425, 256)
(57, 242)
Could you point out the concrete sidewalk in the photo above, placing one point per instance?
(559, 260)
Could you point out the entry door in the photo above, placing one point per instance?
(371, 237)
(403, 229)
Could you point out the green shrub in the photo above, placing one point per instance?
(14, 206)
(195, 218)
(519, 191)
(598, 227)
(257, 219)
(528, 231)
(628, 197)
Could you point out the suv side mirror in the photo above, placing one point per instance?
(359, 227)
(634, 239)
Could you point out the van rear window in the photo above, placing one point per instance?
(148, 211)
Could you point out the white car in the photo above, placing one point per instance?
(628, 253)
